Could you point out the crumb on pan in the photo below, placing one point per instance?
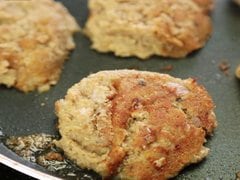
(224, 67)
(128, 123)
(35, 40)
(167, 68)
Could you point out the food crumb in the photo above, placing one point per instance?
(42, 104)
(54, 156)
(71, 174)
(224, 67)
(167, 68)
(237, 72)
(53, 165)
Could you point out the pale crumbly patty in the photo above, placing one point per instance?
(135, 124)
(143, 28)
(35, 39)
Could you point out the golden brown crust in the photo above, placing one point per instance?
(143, 28)
(135, 124)
(35, 39)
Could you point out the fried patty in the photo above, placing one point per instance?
(35, 40)
(135, 124)
(143, 28)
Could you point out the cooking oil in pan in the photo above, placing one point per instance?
(40, 149)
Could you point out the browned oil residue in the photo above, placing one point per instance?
(40, 149)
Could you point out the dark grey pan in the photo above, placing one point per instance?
(22, 114)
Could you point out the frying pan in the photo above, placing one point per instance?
(22, 114)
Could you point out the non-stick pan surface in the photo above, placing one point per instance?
(22, 114)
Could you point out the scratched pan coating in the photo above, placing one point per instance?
(22, 114)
